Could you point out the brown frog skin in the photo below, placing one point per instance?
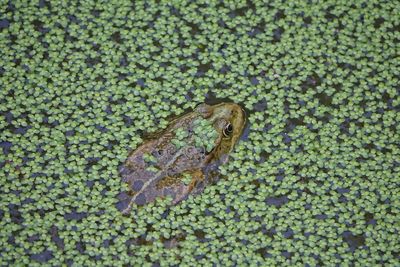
(160, 167)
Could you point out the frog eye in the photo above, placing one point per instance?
(228, 130)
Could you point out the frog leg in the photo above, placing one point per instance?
(185, 190)
(149, 185)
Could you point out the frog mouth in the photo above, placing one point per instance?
(244, 116)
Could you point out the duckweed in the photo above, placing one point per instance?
(186, 178)
(205, 134)
(314, 180)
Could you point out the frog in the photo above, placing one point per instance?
(183, 158)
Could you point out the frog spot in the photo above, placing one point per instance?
(157, 153)
(140, 199)
(137, 185)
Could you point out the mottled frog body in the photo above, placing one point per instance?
(182, 159)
